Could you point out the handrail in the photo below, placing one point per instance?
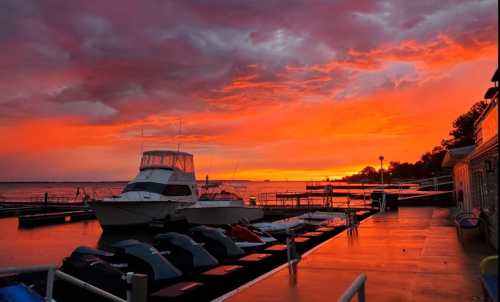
(50, 269)
(53, 272)
(88, 286)
(357, 286)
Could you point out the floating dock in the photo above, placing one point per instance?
(55, 217)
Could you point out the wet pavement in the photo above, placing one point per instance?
(412, 254)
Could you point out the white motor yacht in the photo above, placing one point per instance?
(165, 183)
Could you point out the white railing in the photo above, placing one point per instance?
(357, 286)
(53, 272)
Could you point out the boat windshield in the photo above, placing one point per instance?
(219, 196)
(153, 187)
(167, 160)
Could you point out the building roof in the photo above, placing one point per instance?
(453, 156)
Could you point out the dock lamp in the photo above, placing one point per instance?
(382, 204)
(381, 158)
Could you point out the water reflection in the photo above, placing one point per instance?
(352, 235)
(293, 272)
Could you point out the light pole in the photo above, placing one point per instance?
(382, 204)
(381, 158)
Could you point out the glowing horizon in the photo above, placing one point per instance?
(300, 97)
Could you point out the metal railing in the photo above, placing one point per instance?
(53, 272)
(357, 286)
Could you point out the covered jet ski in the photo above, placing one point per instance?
(85, 250)
(96, 271)
(216, 242)
(184, 252)
(144, 258)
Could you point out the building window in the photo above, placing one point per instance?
(176, 190)
(478, 190)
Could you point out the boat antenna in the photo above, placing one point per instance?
(235, 169)
(142, 140)
(180, 132)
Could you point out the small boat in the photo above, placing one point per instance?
(318, 215)
(323, 218)
(280, 227)
(244, 237)
(165, 183)
(220, 208)
(263, 235)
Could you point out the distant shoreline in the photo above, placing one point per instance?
(105, 181)
(125, 181)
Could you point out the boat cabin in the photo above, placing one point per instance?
(167, 173)
(220, 196)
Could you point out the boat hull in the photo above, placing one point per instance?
(220, 215)
(113, 214)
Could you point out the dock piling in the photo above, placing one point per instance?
(137, 287)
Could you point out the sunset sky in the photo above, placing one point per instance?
(264, 89)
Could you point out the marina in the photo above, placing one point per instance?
(247, 151)
(323, 223)
(244, 268)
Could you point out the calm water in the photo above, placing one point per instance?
(50, 244)
(68, 191)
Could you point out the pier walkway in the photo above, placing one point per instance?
(409, 255)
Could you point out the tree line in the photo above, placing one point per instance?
(429, 164)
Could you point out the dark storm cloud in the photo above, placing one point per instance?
(116, 61)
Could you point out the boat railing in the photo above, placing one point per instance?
(52, 199)
(310, 200)
(357, 287)
(53, 272)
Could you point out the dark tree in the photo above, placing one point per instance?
(429, 164)
(463, 127)
(367, 174)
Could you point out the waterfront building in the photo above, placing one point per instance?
(475, 168)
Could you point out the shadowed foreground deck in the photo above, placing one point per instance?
(409, 255)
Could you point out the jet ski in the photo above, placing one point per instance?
(134, 256)
(144, 258)
(216, 242)
(91, 269)
(184, 252)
